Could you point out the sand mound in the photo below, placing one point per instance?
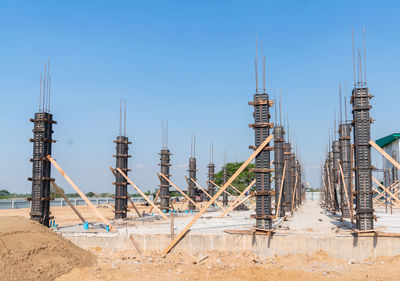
(30, 251)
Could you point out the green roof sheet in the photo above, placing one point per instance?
(382, 142)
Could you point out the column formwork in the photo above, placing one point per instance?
(287, 183)
(362, 155)
(211, 176)
(335, 175)
(121, 184)
(334, 206)
(294, 177)
(192, 190)
(299, 184)
(165, 157)
(345, 161)
(41, 167)
(278, 165)
(262, 168)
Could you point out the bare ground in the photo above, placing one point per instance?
(227, 266)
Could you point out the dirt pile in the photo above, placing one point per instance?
(30, 251)
(129, 265)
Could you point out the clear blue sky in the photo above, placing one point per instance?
(189, 62)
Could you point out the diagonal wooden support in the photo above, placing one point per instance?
(378, 202)
(155, 200)
(67, 200)
(241, 201)
(345, 192)
(281, 191)
(217, 195)
(177, 188)
(237, 190)
(217, 186)
(81, 194)
(141, 193)
(127, 194)
(386, 190)
(134, 206)
(393, 185)
(205, 192)
(232, 206)
(384, 154)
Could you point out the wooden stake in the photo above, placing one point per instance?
(345, 192)
(387, 156)
(232, 206)
(386, 190)
(141, 193)
(127, 194)
(67, 200)
(177, 188)
(205, 192)
(281, 191)
(81, 194)
(216, 196)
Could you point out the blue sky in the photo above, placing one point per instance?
(189, 62)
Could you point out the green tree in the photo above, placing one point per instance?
(54, 193)
(241, 182)
(4, 193)
(90, 194)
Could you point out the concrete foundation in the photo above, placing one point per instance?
(310, 229)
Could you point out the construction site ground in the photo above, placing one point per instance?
(311, 244)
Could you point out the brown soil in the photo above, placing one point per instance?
(30, 251)
(129, 265)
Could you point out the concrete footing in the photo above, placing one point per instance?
(345, 247)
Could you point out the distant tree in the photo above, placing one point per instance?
(4, 193)
(90, 194)
(242, 181)
(72, 195)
